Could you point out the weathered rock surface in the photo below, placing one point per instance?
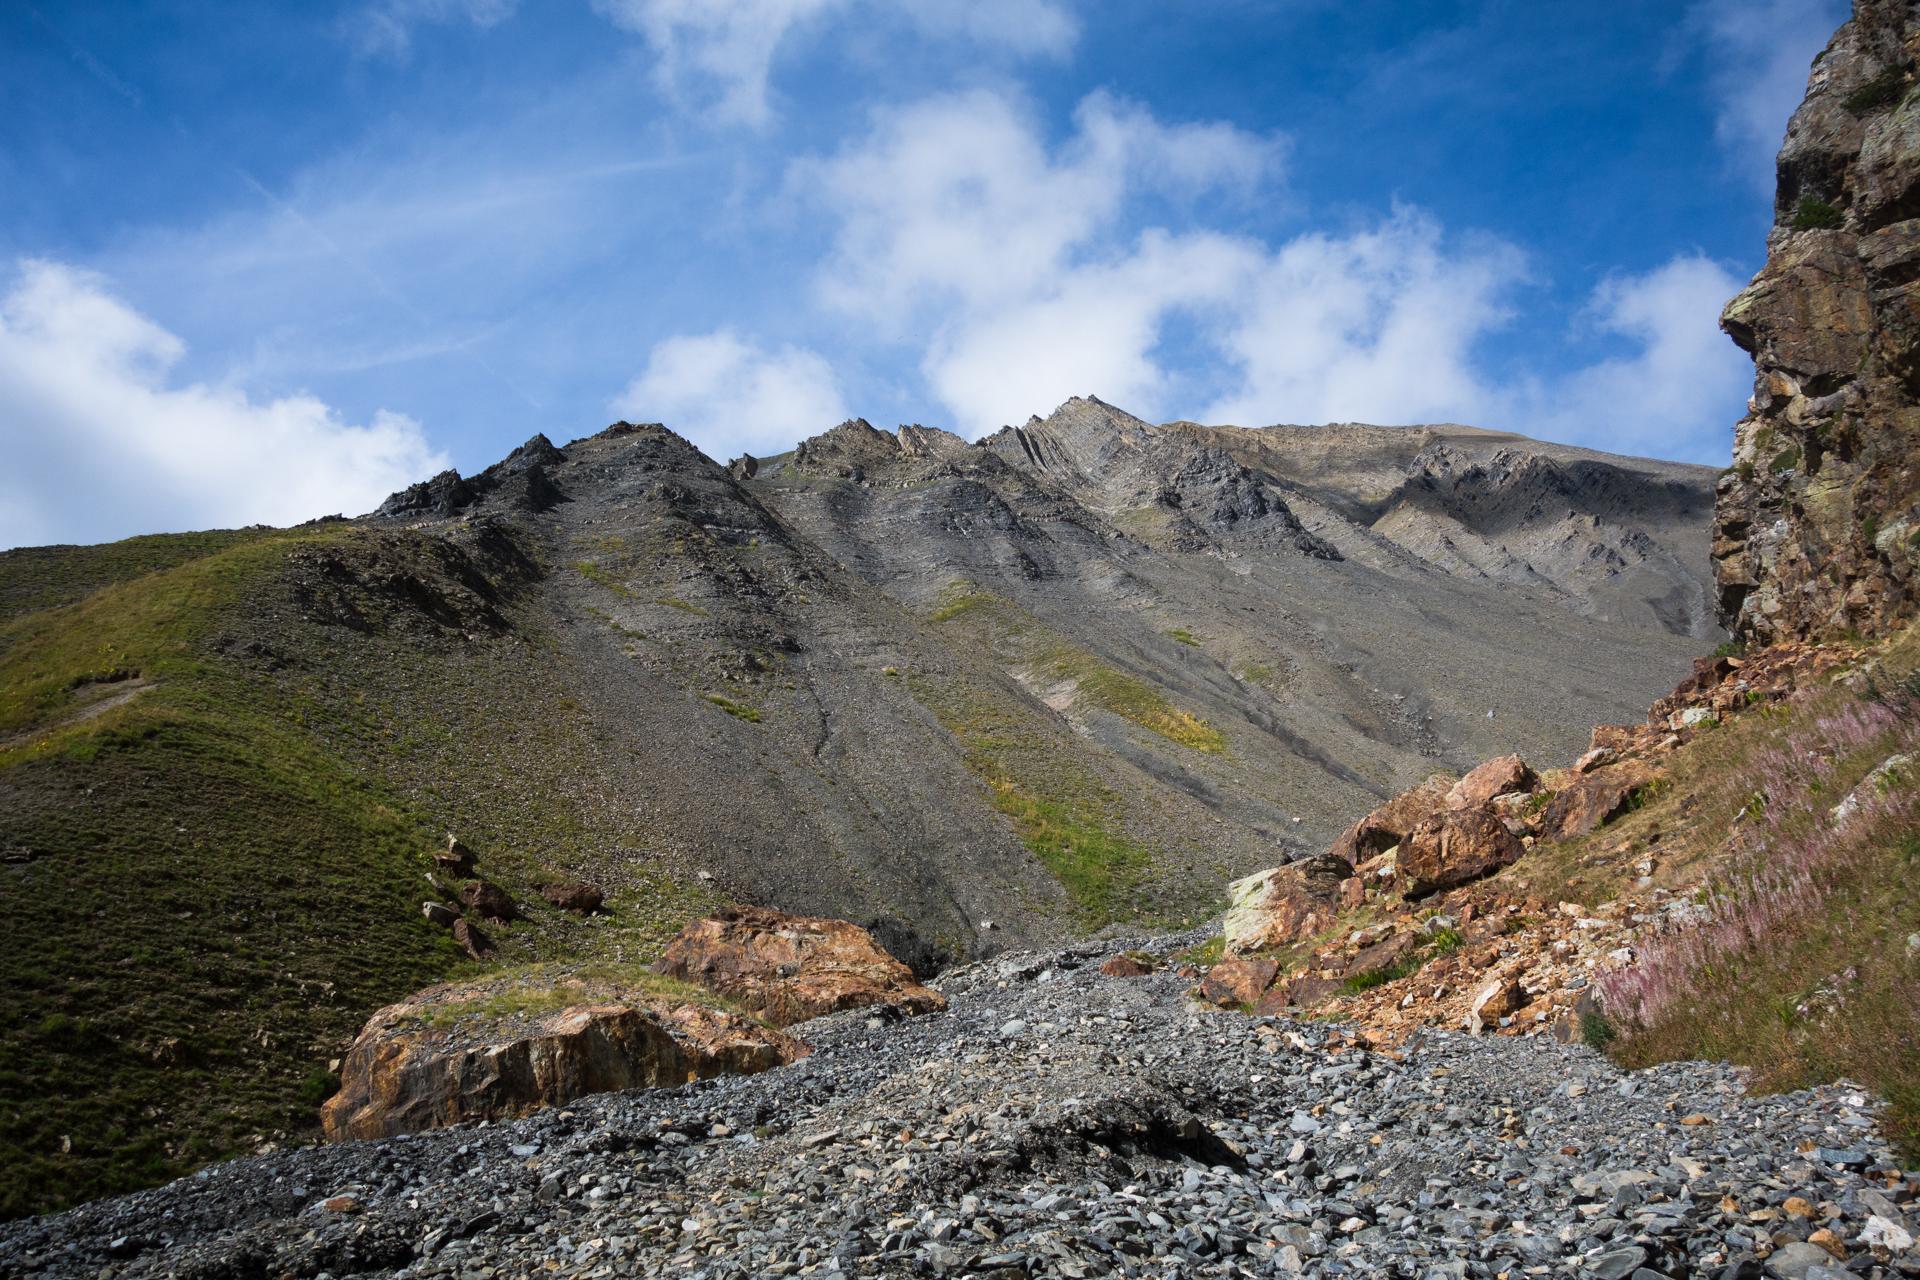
(575, 896)
(1502, 775)
(1273, 908)
(1389, 824)
(1817, 528)
(1453, 848)
(790, 968)
(428, 1062)
(1598, 797)
(1238, 982)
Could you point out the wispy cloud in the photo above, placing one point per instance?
(717, 56)
(386, 29)
(1758, 54)
(91, 407)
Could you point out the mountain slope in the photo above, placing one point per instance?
(968, 695)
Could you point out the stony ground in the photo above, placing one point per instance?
(1064, 1123)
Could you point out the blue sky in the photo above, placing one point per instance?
(261, 263)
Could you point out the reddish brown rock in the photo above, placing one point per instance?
(790, 968)
(1277, 907)
(1124, 967)
(487, 900)
(470, 939)
(1353, 893)
(1597, 798)
(575, 896)
(1497, 777)
(1237, 982)
(1597, 758)
(420, 1065)
(1388, 825)
(1454, 848)
(1298, 993)
(1498, 999)
(1382, 955)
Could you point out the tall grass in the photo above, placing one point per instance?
(1797, 960)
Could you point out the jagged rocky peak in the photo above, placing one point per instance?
(1083, 435)
(856, 445)
(1818, 522)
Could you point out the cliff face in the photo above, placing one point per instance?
(1816, 529)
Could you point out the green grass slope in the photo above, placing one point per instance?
(220, 784)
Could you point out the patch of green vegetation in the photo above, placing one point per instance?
(1815, 214)
(1785, 460)
(1883, 90)
(33, 578)
(675, 602)
(1183, 635)
(602, 577)
(1445, 941)
(1100, 869)
(532, 990)
(1208, 953)
(1734, 648)
(223, 875)
(738, 710)
(1596, 1032)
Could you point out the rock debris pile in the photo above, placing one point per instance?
(1061, 1121)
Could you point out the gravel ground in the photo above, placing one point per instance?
(1057, 1122)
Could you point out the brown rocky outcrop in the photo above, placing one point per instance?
(1274, 908)
(1238, 981)
(1453, 848)
(471, 939)
(790, 968)
(575, 896)
(1124, 966)
(488, 901)
(1499, 776)
(1597, 798)
(420, 1064)
(1388, 825)
(1817, 527)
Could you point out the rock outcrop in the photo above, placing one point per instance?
(1818, 522)
(486, 1050)
(1453, 848)
(1389, 824)
(790, 968)
(1276, 907)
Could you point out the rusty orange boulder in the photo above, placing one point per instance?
(1389, 824)
(1238, 982)
(1274, 908)
(1124, 966)
(790, 968)
(1598, 797)
(505, 1047)
(1503, 775)
(1453, 848)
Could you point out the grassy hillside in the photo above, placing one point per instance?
(221, 782)
(1809, 970)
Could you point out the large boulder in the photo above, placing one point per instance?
(1452, 848)
(1503, 775)
(790, 968)
(1598, 797)
(488, 901)
(1274, 908)
(1238, 981)
(486, 1050)
(1389, 824)
(574, 895)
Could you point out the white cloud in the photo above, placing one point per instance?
(719, 54)
(387, 28)
(727, 394)
(1759, 54)
(1015, 269)
(1376, 326)
(102, 442)
(1683, 381)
